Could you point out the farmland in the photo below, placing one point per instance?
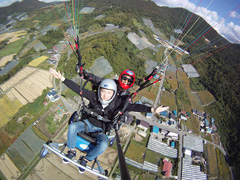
(206, 97)
(7, 106)
(37, 61)
(168, 99)
(6, 59)
(23, 88)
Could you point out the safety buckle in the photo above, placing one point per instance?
(99, 117)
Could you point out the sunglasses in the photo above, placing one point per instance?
(128, 79)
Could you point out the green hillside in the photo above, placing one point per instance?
(19, 7)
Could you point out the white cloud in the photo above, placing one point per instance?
(176, 3)
(234, 14)
(7, 3)
(210, 16)
(230, 31)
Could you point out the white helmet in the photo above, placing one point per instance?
(107, 84)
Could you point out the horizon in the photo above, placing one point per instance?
(222, 16)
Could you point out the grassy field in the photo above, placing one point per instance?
(12, 48)
(136, 152)
(17, 103)
(206, 97)
(149, 92)
(168, 99)
(8, 106)
(152, 157)
(195, 101)
(182, 96)
(212, 161)
(224, 171)
(196, 85)
(172, 81)
(4, 119)
(182, 76)
(206, 136)
(216, 139)
(37, 61)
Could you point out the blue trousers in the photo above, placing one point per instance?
(101, 138)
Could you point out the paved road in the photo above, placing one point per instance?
(157, 100)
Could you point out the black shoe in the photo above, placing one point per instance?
(83, 162)
(71, 154)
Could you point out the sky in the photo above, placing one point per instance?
(222, 15)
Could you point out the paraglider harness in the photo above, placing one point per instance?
(84, 111)
(112, 124)
(115, 122)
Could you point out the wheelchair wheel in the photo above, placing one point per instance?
(44, 151)
(106, 172)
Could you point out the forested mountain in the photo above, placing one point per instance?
(219, 73)
(19, 7)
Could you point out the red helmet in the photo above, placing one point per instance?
(131, 81)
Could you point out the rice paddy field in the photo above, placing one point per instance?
(23, 88)
(7, 106)
(37, 61)
(4, 118)
(6, 59)
(13, 47)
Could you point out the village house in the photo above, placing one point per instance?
(52, 95)
(164, 114)
(199, 114)
(164, 132)
(148, 115)
(172, 117)
(167, 168)
(172, 135)
(197, 157)
(144, 126)
(155, 129)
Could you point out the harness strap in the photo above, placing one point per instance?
(99, 117)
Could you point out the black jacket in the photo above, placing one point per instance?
(96, 80)
(108, 112)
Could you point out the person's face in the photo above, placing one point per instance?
(127, 79)
(106, 94)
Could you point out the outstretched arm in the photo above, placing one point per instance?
(71, 85)
(160, 109)
(145, 108)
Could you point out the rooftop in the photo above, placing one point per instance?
(193, 143)
(161, 148)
